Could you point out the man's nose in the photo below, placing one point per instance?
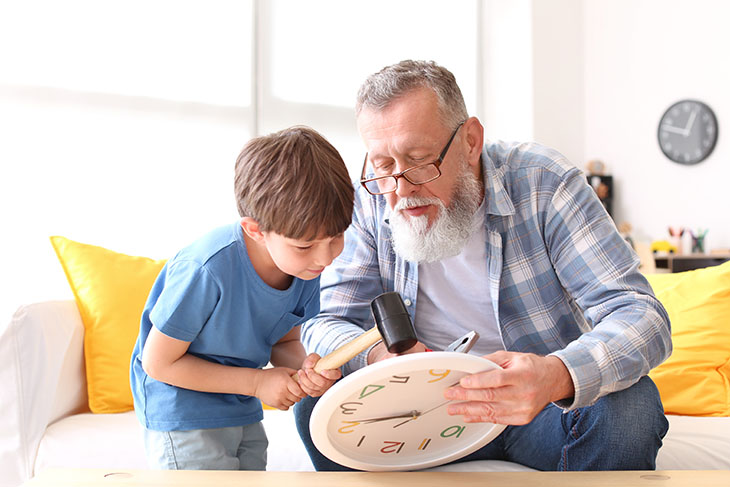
(405, 188)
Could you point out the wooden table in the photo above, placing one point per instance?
(106, 478)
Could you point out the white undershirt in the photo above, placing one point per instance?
(453, 297)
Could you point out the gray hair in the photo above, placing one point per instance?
(392, 82)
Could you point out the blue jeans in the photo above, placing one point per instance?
(621, 431)
(232, 448)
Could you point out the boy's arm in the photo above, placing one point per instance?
(289, 352)
(166, 359)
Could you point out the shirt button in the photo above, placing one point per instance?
(407, 302)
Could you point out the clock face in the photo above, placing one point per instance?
(688, 132)
(391, 415)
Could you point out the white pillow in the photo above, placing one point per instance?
(42, 379)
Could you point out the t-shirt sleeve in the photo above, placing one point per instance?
(189, 297)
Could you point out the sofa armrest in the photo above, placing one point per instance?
(42, 378)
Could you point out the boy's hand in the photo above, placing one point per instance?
(313, 383)
(276, 388)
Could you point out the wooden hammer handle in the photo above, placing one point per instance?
(347, 351)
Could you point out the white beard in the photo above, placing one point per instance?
(413, 239)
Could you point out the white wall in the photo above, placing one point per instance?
(506, 108)
(603, 73)
(640, 57)
(558, 91)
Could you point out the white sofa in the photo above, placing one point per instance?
(45, 422)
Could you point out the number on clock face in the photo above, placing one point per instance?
(687, 132)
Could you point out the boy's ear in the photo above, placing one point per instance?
(251, 228)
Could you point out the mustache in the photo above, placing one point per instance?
(414, 201)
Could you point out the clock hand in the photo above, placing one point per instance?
(412, 414)
(418, 415)
(690, 122)
(676, 130)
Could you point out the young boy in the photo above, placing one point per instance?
(228, 304)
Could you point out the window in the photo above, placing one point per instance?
(315, 55)
(121, 120)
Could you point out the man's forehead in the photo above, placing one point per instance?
(421, 100)
(400, 143)
(387, 134)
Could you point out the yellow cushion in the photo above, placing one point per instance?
(695, 380)
(110, 290)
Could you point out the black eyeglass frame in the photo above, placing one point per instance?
(404, 174)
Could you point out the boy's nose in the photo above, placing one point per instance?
(325, 257)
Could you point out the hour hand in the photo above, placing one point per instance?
(411, 414)
(673, 129)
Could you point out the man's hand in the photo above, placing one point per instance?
(276, 388)
(313, 383)
(513, 395)
(379, 352)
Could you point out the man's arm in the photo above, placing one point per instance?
(630, 328)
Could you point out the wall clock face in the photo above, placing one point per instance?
(391, 415)
(688, 132)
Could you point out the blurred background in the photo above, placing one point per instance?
(120, 121)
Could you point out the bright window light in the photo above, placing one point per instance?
(322, 51)
(183, 50)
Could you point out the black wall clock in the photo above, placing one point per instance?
(687, 132)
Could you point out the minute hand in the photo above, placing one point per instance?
(418, 415)
(691, 122)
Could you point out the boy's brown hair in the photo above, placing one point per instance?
(294, 183)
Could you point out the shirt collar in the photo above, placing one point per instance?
(496, 196)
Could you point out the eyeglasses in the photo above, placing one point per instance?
(421, 174)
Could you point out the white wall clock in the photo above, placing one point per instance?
(391, 415)
(688, 132)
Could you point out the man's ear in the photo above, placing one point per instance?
(475, 140)
(252, 229)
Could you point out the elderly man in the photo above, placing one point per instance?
(508, 240)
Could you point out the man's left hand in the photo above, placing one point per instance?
(513, 395)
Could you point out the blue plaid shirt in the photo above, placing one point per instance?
(562, 280)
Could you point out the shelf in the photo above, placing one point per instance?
(688, 262)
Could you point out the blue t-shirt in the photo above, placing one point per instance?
(210, 295)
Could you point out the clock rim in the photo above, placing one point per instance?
(327, 404)
(710, 149)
